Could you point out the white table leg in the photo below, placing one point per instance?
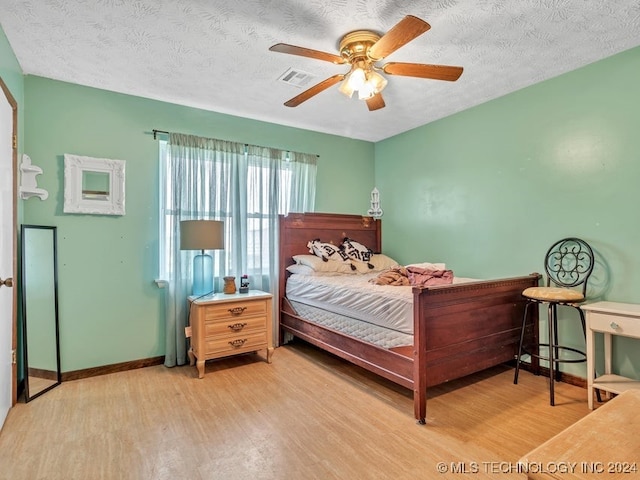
(607, 356)
(590, 366)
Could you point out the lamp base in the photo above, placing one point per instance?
(202, 274)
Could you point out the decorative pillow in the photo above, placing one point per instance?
(318, 265)
(356, 251)
(381, 262)
(326, 251)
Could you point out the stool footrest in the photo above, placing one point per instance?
(583, 355)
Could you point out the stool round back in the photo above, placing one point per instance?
(569, 263)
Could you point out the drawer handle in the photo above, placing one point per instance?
(238, 343)
(614, 325)
(236, 327)
(237, 310)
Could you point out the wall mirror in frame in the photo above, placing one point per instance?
(40, 328)
(93, 185)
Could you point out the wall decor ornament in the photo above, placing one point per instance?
(93, 185)
(375, 210)
(28, 181)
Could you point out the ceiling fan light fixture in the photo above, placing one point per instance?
(375, 84)
(366, 91)
(366, 82)
(353, 82)
(356, 79)
(377, 80)
(345, 88)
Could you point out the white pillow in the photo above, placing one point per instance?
(318, 265)
(428, 266)
(301, 269)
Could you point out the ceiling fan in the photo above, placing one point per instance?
(362, 49)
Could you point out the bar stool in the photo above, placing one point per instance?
(568, 263)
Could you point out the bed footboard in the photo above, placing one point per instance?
(462, 329)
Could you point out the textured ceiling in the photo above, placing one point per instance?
(214, 54)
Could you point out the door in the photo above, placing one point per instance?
(8, 262)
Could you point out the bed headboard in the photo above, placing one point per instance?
(296, 229)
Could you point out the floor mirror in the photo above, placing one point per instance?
(40, 332)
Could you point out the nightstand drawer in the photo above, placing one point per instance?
(234, 310)
(234, 325)
(236, 343)
(614, 324)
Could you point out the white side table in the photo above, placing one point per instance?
(609, 318)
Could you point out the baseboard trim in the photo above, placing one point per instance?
(567, 378)
(113, 368)
(544, 371)
(150, 362)
(41, 373)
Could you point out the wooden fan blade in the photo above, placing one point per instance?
(376, 102)
(436, 72)
(400, 34)
(307, 52)
(316, 89)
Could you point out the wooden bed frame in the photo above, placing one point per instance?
(458, 329)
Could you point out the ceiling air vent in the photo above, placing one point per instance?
(296, 77)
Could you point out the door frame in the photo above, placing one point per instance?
(14, 228)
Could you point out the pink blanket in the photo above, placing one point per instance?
(414, 276)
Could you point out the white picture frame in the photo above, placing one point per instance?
(93, 185)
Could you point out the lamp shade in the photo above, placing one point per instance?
(201, 235)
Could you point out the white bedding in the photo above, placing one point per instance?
(352, 295)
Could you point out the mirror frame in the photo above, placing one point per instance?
(58, 380)
(74, 166)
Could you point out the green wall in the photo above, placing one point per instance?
(110, 308)
(488, 190)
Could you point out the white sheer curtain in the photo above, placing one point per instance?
(245, 186)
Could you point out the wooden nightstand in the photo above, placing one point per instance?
(229, 324)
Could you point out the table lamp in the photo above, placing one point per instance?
(202, 235)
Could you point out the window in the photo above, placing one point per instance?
(260, 217)
(245, 186)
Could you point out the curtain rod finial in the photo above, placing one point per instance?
(156, 132)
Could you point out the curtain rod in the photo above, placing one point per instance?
(156, 132)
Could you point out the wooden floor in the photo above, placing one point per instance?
(308, 415)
